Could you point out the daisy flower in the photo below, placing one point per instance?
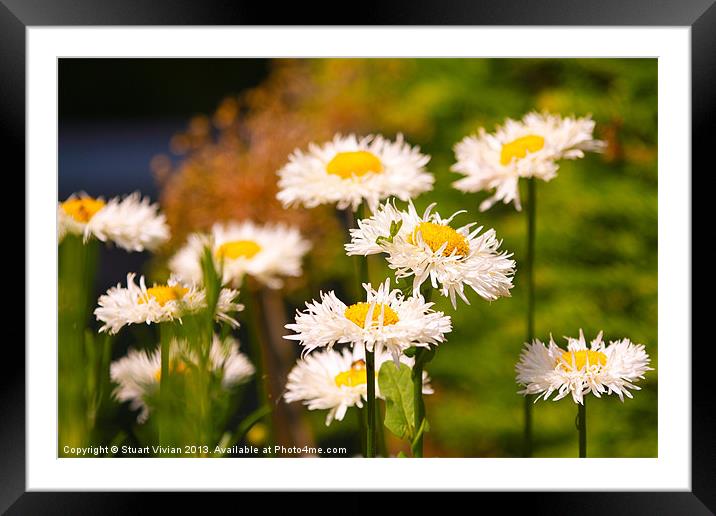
(581, 369)
(135, 304)
(336, 380)
(427, 247)
(138, 374)
(385, 321)
(528, 148)
(131, 223)
(265, 252)
(350, 170)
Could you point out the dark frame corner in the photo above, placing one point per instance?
(700, 15)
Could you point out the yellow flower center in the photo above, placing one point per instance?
(359, 311)
(164, 293)
(354, 163)
(520, 147)
(82, 209)
(238, 249)
(580, 358)
(435, 235)
(177, 367)
(355, 376)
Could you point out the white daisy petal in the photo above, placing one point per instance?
(349, 171)
(136, 304)
(581, 369)
(427, 247)
(138, 374)
(528, 148)
(336, 380)
(266, 253)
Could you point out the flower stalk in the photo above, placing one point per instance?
(529, 278)
(165, 339)
(370, 403)
(582, 427)
(259, 350)
(362, 277)
(421, 357)
(417, 376)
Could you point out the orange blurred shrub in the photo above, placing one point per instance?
(227, 162)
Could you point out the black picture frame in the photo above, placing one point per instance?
(700, 15)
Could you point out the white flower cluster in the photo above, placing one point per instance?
(138, 374)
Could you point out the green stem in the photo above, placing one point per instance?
(362, 426)
(370, 404)
(381, 448)
(417, 376)
(99, 356)
(165, 344)
(362, 277)
(582, 427)
(529, 278)
(259, 350)
(361, 262)
(205, 427)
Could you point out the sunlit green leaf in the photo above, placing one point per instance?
(396, 386)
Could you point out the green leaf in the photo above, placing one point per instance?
(212, 281)
(396, 386)
(394, 229)
(401, 455)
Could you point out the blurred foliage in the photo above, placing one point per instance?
(596, 222)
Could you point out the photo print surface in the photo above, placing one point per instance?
(357, 258)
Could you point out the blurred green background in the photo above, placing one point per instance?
(596, 247)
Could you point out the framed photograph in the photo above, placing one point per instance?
(441, 251)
